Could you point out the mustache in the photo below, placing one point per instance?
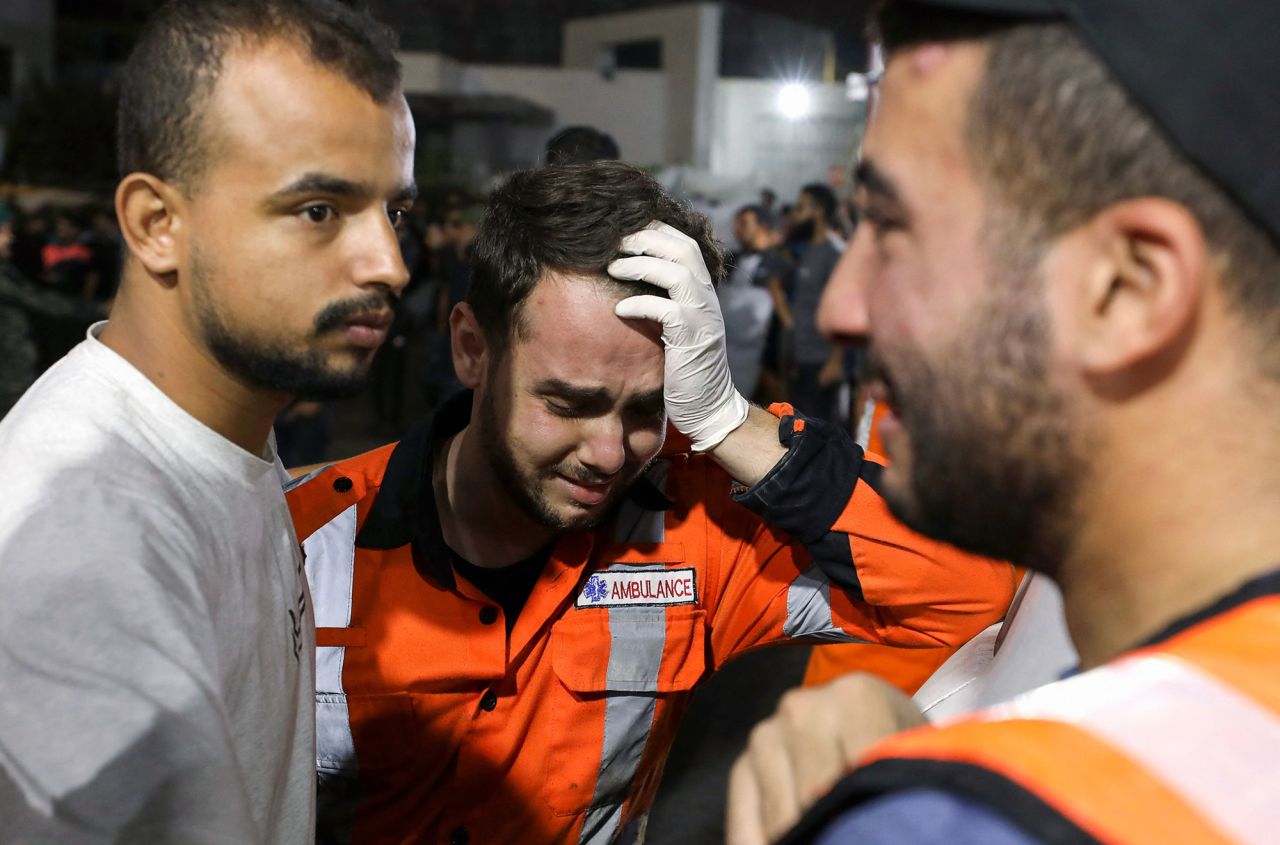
(336, 313)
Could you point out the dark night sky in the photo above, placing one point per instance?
(470, 30)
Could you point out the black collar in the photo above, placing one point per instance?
(1264, 585)
(404, 511)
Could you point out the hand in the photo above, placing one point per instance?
(700, 397)
(797, 755)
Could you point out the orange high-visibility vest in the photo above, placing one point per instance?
(1177, 742)
(435, 726)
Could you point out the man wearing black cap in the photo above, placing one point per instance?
(1069, 274)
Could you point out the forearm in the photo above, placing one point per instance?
(752, 450)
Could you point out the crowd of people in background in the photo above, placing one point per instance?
(60, 266)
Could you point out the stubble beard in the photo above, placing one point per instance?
(996, 460)
(527, 490)
(270, 364)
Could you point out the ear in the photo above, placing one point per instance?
(151, 214)
(468, 344)
(1145, 281)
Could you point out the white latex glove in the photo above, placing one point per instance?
(701, 400)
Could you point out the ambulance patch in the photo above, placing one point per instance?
(639, 588)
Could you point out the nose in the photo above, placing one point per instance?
(379, 261)
(842, 312)
(603, 448)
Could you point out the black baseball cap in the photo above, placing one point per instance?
(1206, 71)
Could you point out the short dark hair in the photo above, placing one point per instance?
(764, 217)
(823, 197)
(581, 144)
(567, 219)
(170, 76)
(1055, 136)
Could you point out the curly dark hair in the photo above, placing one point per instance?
(167, 83)
(568, 219)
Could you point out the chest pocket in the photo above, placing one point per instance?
(619, 670)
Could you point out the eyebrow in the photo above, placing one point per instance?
(587, 395)
(322, 183)
(875, 181)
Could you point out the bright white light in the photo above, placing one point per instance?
(793, 101)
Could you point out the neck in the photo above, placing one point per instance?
(163, 351)
(1170, 527)
(471, 503)
(819, 231)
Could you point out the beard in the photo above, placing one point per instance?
(527, 487)
(994, 467)
(272, 364)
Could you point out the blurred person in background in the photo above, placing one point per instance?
(817, 366)
(579, 145)
(768, 200)
(157, 657)
(1069, 273)
(66, 260)
(106, 246)
(753, 296)
(454, 245)
(21, 300)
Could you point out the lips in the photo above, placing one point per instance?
(369, 329)
(586, 493)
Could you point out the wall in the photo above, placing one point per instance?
(690, 36)
(757, 146)
(632, 107)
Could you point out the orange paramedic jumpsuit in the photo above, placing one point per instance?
(435, 726)
(905, 668)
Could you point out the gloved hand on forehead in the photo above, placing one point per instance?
(701, 400)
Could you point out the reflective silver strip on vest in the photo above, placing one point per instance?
(331, 560)
(636, 524)
(291, 483)
(863, 435)
(1214, 747)
(637, 637)
(809, 609)
(331, 555)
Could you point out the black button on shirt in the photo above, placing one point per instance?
(489, 701)
(488, 615)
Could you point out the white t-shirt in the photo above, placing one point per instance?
(156, 636)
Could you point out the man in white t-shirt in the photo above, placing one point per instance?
(156, 643)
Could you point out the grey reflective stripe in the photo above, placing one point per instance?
(636, 524)
(303, 479)
(863, 435)
(331, 556)
(1212, 745)
(330, 565)
(337, 788)
(638, 636)
(809, 609)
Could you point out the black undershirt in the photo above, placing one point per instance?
(509, 586)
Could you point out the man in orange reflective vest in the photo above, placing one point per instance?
(1069, 272)
(514, 603)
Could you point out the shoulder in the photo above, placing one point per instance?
(923, 817)
(320, 496)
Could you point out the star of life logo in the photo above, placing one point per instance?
(643, 588)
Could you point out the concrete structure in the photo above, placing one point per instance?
(722, 135)
(26, 51)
